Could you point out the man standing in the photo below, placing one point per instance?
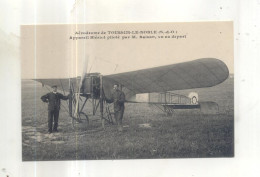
(53, 100)
(118, 97)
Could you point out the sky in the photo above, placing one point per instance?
(47, 51)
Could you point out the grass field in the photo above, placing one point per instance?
(148, 132)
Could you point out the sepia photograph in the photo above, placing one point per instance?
(129, 88)
(127, 91)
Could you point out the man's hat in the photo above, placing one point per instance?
(54, 86)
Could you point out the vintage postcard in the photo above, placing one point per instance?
(127, 91)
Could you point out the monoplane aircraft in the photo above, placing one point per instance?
(199, 73)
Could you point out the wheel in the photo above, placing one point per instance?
(80, 123)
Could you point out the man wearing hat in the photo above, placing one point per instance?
(53, 99)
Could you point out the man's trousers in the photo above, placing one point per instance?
(53, 115)
(119, 116)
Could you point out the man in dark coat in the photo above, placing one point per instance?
(118, 97)
(53, 99)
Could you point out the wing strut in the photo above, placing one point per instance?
(63, 91)
(101, 102)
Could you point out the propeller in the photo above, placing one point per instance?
(82, 77)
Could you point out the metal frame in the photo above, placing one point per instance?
(168, 97)
(95, 104)
(169, 104)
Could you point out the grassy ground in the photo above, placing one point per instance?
(148, 133)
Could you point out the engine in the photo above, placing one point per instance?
(91, 85)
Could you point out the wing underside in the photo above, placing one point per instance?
(62, 84)
(199, 73)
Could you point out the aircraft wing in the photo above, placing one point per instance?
(198, 73)
(205, 72)
(62, 84)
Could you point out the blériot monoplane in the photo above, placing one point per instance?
(199, 73)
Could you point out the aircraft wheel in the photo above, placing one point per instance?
(80, 123)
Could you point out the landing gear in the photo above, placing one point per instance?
(92, 90)
(81, 122)
(108, 115)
